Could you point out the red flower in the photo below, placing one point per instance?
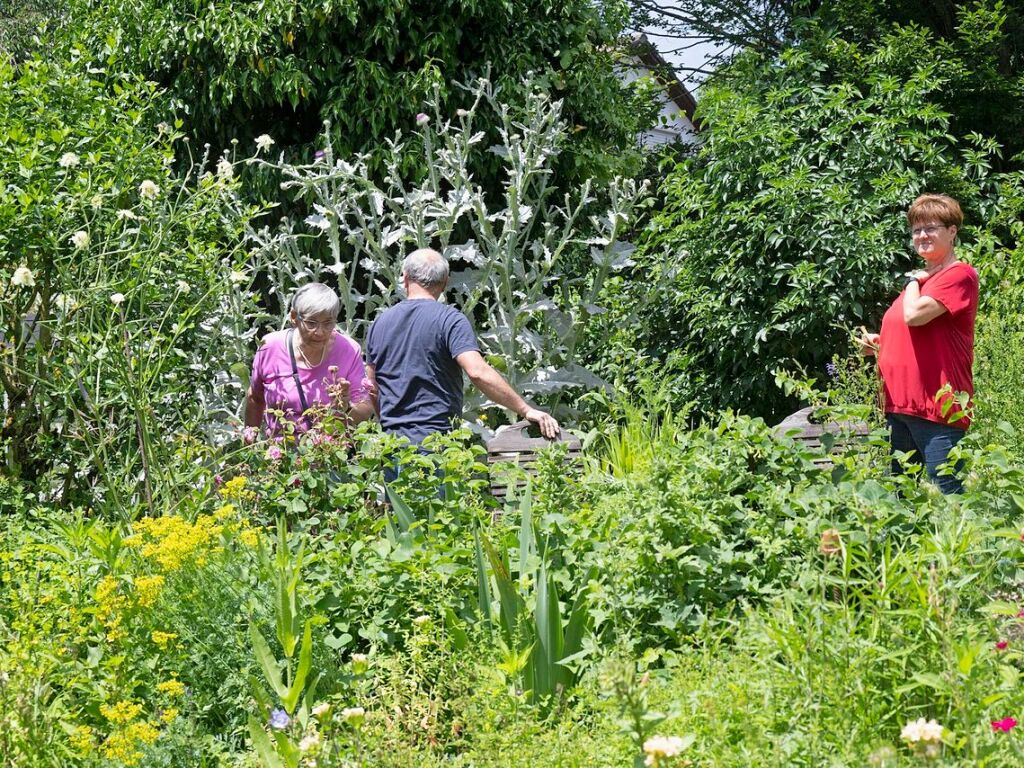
(1002, 645)
(1020, 614)
(1005, 725)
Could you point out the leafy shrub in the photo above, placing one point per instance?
(786, 231)
(241, 69)
(124, 303)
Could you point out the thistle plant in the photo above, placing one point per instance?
(510, 253)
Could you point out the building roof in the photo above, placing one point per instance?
(650, 57)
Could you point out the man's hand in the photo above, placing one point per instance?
(548, 426)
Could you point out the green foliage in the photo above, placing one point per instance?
(119, 311)
(786, 230)
(241, 69)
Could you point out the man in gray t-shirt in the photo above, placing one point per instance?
(416, 352)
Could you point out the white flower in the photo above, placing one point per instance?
(80, 239)
(263, 143)
(124, 213)
(921, 730)
(422, 118)
(658, 747)
(353, 715)
(23, 276)
(148, 189)
(310, 742)
(163, 128)
(462, 112)
(237, 277)
(117, 298)
(68, 160)
(184, 287)
(321, 709)
(419, 621)
(225, 169)
(96, 201)
(62, 302)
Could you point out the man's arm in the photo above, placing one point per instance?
(918, 309)
(493, 384)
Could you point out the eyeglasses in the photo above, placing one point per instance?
(313, 325)
(930, 230)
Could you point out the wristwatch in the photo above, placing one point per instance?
(908, 279)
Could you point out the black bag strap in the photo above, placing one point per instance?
(295, 376)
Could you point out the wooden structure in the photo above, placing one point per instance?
(811, 432)
(519, 444)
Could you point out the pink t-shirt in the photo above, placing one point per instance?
(272, 377)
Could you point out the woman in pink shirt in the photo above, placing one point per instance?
(308, 366)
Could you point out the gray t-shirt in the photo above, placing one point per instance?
(412, 347)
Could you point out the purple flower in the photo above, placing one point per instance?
(274, 453)
(830, 369)
(218, 480)
(279, 719)
(319, 155)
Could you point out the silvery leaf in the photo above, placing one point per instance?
(499, 150)
(318, 222)
(465, 252)
(542, 305)
(551, 379)
(465, 280)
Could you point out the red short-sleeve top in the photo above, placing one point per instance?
(918, 361)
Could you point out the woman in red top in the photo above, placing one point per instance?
(926, 344)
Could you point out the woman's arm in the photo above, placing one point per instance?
(255, 407)
(918, 309)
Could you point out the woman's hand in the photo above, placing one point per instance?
(868, 342)
(920, 275)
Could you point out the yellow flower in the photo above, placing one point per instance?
(142, 731)
(173, 542)
(249, 537)
(171, 688)
(162, 639)
(121, 747)
(225, 512)
(82, 739)
(235, 489)
(169, 714)
(122, 712)
(148, 589)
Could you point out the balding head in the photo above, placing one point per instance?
(426, 268)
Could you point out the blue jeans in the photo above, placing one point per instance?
(927, 439)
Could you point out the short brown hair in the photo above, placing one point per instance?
(941, 208)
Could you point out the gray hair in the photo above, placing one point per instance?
(315, 299)
(426, 267)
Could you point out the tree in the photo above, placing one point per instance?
(787, 229)
(283, 68)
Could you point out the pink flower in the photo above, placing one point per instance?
(218, 480)
(249, 434)
(274, 453)
(1005, 725)
(1002, 645)
(296, 481)
(1020, 614)
(422, 118)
